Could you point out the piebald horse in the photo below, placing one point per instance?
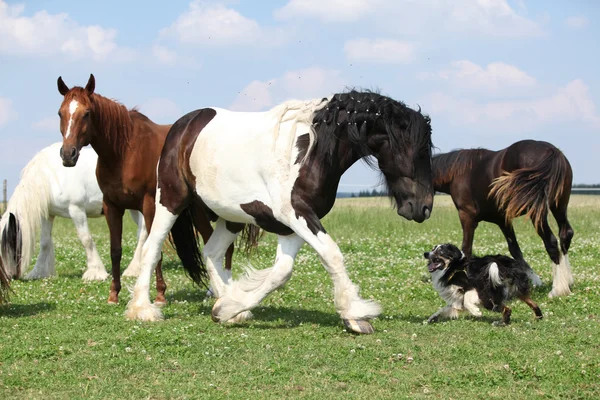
(280, 170)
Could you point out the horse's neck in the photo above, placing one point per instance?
(107, 136)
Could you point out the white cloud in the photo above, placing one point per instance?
(161, 109)
(164, 55)
(486, 17)
(47, 124)
(379, 51)
(217, 25)
(571, 103)
(327, 10)
(45, 34)
(306, 84)
(576, 22)
(494, 78)
(7, 112)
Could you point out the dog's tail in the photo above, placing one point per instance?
(494, 274)
(531, 190)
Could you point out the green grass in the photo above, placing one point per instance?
(59, 338)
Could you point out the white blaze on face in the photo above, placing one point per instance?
(72, 108)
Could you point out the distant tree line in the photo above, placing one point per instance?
(370, 193)
(586, 186)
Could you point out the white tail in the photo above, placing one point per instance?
(494, 273)
(29, 204)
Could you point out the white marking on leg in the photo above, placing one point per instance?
(72, 108)
(142, 235)
(562, 277)
(471, 302)
(139, 306)
(214, 253)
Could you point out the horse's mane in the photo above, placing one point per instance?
(447, 166)
(355, 111)
(113, 120)
(358, 110)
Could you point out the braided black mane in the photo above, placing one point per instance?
(358, 112)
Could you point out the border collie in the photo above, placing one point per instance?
(466, 283)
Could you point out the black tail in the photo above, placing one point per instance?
(531, 190)
(184, 239)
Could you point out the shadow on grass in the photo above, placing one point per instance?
(25, 310)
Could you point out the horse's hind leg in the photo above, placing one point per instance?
(95, 268)
(515, 251)
(252, 288)
(560, 271)
(45, 264)
(565, 232)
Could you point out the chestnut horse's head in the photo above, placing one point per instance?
(75, 119)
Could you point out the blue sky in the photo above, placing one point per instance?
(488, 72)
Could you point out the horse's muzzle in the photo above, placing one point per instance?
(69, 157)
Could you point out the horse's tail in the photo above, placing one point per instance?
(4, 284)
(184, 239)
(531, 190)
(249, 237)
(22, 220)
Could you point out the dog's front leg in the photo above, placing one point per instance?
(447, 312)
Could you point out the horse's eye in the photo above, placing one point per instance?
(86, 114)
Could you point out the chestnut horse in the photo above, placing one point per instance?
(128, 145)
(527, 178)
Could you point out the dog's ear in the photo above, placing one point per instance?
(455, 253)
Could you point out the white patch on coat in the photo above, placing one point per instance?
(452, 294)
(72, 108)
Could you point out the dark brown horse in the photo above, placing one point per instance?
(527, 178)
(128, 145)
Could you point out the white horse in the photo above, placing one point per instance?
(46, 190)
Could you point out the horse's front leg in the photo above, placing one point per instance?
(469, 224)
(515, 251)
(114, 218)
(354, 311)
(95, 268)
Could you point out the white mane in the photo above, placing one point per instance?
(29, 204)
(298, 111)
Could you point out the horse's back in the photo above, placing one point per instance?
(75, 186)
(527, 154)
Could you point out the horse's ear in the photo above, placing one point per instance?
(62, 88)
(91, 85)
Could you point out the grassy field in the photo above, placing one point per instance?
(59, 338)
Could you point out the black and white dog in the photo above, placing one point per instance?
(466, 283)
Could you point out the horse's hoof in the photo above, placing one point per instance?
(113, 299)
(241, 317)
(215, 311)
(358, 326)
(160, 301)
